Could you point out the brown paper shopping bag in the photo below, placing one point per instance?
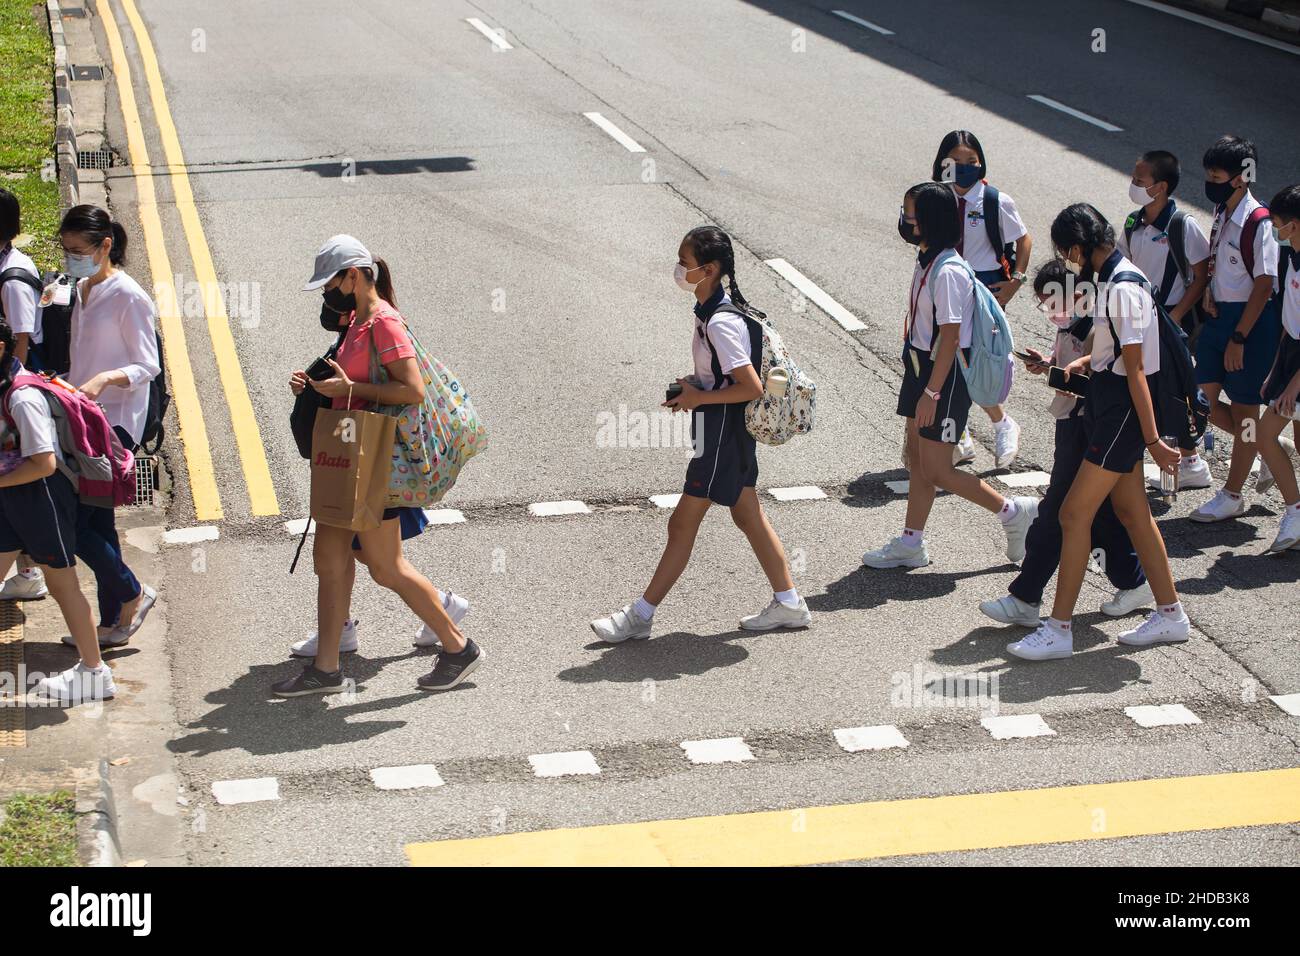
(351, 456)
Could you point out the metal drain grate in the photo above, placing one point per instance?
(146, 479)
(96, 159)
(86, 72)
(13, 716)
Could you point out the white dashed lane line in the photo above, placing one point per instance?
(206, 532)
(1025, 479)
(628, 142)
(801, 493)
(551, 509)
(497, 39)
(412, 777)
(1077, 114)
(1290, 703)
(570, 764)
(1161, 715)
(720, 750)
(877, 28)
(847, 320)
(444, 516)
(256, 790)
(857, 739)
(1011, 726)
(665, 501)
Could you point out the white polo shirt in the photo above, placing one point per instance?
(947, 297)
(1133, 314)
(113, 328)
(976, 248)
(1291, 301)
(1231, 281)
(20, 299)
(730, 337)
(1150, 252)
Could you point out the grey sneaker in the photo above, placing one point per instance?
(451, 669)
(622, 625)
(777, 615)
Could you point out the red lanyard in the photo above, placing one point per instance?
(914, 302)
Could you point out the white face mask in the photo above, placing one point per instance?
(1075, 267)
(679, 276)
(79, 267)
(1139, 194)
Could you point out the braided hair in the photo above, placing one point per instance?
(711, 244)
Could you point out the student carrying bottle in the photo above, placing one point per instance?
(1122, 426)
(1240, 339)
(1170, 249)
(359, 289)
(990, 223)
(933, 397)
(726, 347)
(1282, 388)
(1061, 301)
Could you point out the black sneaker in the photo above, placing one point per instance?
(310, 681)
(451, 669)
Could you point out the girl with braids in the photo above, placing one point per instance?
(727, 349)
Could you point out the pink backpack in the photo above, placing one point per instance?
(105, 470)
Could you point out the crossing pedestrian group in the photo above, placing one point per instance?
(1162, 334)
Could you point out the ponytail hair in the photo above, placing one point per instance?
(384, 282)
(711, 244)
(96, 225)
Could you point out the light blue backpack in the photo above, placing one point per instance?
(989, 370)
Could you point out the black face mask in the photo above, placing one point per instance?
(905, 230)
(330, 319)
(339, 302)
(1219, 193)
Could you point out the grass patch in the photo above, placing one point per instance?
(27, 123)
(39, 831)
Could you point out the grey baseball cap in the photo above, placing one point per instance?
(339, 252)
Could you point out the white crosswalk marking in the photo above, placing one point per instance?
(1011, 726)
(856, 739)
(721, 750)
(255, 790)
(1161, 715)
(572, 763)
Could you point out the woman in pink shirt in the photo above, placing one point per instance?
(359, 289)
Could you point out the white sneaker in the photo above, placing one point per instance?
(1220, 508)
(777, 615)
(964, 451)
(1191, 475)
(1288, 532)
(1009, 609)
(347, 645)
(896, 554)
(23, 588)
(457, 607)
(1126, 602)
(1006, 442)
(1264, 478)
(78, 684)
(622, 625)
(1045, 644)
(109, 638)
(1158, 629)
(1018, 527)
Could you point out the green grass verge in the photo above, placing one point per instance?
(39, 831)
(27, 123)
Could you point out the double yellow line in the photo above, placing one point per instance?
(189, 408)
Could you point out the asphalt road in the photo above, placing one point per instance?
(533, 253)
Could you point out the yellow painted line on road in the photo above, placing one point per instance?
(862, 831)
(248, 438)
(180, 374)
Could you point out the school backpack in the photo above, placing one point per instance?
(1180, 405)
(435, 437)
(769, 419)
(1176, 264)
(159, 401)
(1249, 230)
(103, 471)
(990, 370)
(1005, 251)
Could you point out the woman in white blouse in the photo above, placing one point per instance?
(114, 353)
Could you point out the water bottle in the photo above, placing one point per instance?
(1168, 482)
(778, 379)
(1209, 444)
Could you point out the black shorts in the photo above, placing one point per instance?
(725, 461)
(954, 401)
(1288, 363)
(40, 519)
(1115, 440)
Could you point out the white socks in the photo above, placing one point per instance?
(29, 574)
(1174, 610)
(1009, 510)
(913, 538)
(789, 598)
(643, 609)
(1002, 425)
(1061, 627)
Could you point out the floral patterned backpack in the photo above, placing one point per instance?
(434, 437)
(770, 419)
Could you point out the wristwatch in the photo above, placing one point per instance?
(1238, 338)
(1020, 277)
(934, 395)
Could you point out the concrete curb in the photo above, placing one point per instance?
(65, 137)
(97, 842)
(1280, 22)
